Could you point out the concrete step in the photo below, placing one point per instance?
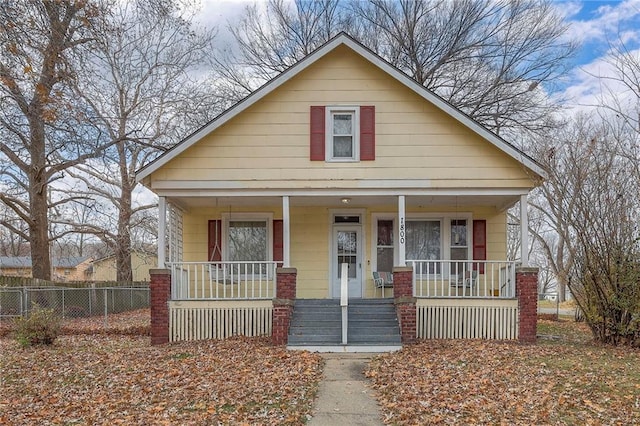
(319, 322)
(314, 340)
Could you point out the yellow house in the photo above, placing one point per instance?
(65, 269)
(343, 161)
(104, 269)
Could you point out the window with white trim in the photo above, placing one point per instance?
(428, 237)
(342, 134)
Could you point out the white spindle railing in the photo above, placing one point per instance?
(222, 280)
(458, 278)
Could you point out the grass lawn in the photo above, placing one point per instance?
(118, 378)
(563, 379)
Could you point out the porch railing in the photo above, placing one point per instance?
(222, 280)
(463, 279)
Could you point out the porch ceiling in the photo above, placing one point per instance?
(355, 201)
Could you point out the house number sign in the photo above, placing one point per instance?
(401, 230)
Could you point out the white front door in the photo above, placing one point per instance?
(347, 248)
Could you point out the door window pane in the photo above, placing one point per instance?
(247, 240)
(347, 251)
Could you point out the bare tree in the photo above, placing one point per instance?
(271, 39)
(590, 207)
(492, 59)
(139, 82)
(43, 126)
(489, 58)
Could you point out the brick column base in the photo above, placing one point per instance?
(405, 303)
(527, 293)
(160, 288)
(283, 304)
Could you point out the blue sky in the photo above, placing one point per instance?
(597, 24)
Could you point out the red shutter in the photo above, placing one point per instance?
(278, 245)
(215, 240)
(317, 133)
(367, 133)
(479, 243)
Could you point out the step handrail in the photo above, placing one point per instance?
(344, 300)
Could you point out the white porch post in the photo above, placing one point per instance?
(402, 231)
(162, 231)
(524, 231)
(286, 259)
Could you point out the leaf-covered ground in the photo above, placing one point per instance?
(107, 378)
(560, 380)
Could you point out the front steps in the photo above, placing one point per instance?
(316, 325)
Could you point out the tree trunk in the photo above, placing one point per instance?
(123, 239)
(39, 232)
(38, 202)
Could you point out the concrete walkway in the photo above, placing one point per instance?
(343, 396)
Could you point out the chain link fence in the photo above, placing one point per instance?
(73, 302)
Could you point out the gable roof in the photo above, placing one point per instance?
(369, 55)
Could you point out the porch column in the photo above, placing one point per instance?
(162, 231)
(160, 288)
(405, 303)
(283, 304)
(286, 262)
(402, 231)
(524, 231)
(527, 293)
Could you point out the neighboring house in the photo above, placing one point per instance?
(65, 269)
(341, 159)
(104, 269)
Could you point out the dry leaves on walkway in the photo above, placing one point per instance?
(105, 380)
(484, 382)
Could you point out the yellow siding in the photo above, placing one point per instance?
(310, 240)
(105, 269)
(268, 144)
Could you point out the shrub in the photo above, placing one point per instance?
(40, 327)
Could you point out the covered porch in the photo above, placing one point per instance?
(451, 244)
(229, 246)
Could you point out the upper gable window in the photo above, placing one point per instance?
(342, 137)
(342, 133)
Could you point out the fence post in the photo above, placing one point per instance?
(106, 310)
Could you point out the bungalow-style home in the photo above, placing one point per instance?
(341, 206)
(65, 269)
(104, 269)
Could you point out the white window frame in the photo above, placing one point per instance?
(375, 217)
(342, 109)
(232, 217)
(445, 237)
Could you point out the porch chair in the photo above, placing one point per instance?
(382, 280)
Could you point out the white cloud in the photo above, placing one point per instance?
(608, 21)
